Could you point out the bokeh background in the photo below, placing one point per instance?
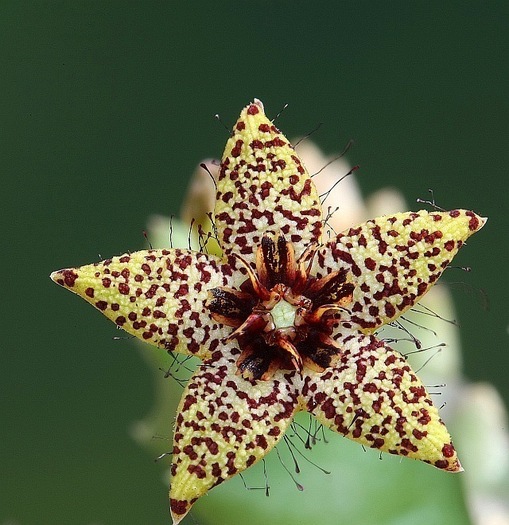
(105, 109)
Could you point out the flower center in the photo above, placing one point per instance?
(283, 314)
(283, 317)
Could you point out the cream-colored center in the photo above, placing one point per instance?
(283, 314)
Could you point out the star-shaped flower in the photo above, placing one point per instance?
(285, 320)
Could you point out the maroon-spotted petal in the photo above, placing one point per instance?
(224, 425)
(372, 396)
(158, 296)
(394, 260)
(263, 188)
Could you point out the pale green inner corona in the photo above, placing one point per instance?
(283, 314)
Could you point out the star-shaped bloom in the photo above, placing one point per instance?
(284, 321)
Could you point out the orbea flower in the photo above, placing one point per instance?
(282, 322)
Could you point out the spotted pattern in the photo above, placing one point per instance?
(372, 396)
(156, 295)
(224, 425)
(394, 260)
(263, 187)
(368, 392)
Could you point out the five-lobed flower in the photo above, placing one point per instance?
(284, 321)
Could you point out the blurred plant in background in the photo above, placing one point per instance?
(341, 481)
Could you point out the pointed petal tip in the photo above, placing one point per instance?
(176, 518)
(55, 275)
(450, 464)
(259, 103)
(65, 277)
(254, 111)
(459, 467)
(178, 510)
(476, 221)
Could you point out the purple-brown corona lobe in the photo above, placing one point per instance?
(284, 321)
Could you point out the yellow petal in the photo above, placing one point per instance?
(263, 188)
(224, 425)
(156, 295)
(394, 260)
(372, 396)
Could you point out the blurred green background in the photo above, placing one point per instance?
(105, 109)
